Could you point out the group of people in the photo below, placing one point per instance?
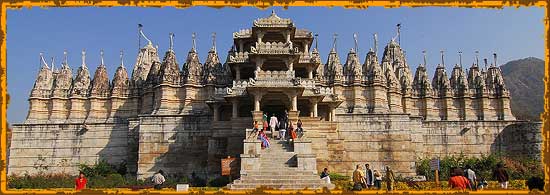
(281, 124)
(157, 179)
(372, 178)
(467, 179)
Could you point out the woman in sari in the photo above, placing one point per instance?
(263, 137)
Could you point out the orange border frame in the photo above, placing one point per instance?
(361, 4)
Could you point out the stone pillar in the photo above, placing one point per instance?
(313, 107)
(306, 50)
(257, 103)
(309, 72)
(237, 72)
(241, 46)
(235, 111)
(216, 112)
(506, 111)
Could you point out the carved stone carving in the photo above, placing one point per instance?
(81, 83)
(100, 83)
(169, 70)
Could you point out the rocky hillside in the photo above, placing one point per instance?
(524, 79)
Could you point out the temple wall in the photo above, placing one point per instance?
(176, 144)
(62, 147)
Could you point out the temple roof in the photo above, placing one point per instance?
(273, 21)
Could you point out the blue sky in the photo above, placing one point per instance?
(512, 33)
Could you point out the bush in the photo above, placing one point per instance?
(103, 168)
(338, 177)
(535, 183)
(110, 181)
(41, 181)
(518, 169)
(219, 182)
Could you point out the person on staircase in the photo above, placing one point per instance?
(282, 129)
(263, 138)
(299, 129)
(291, 130)
(390, 178)
(254, 129)
(377, 180)
(265, 120)
(273, 122)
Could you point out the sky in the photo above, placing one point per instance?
(512, 33)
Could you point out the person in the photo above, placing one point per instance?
(282, 129)
(273, 122)
(471, 176)
(325, 176)
(369, 176)
(80, 181)
(291, 131)
(457, 181)
(254, 129)
(299, 128)
(501, 176)
(264, 139)
(377, 179)
(358, 178)
(264, 121)
(390, 178)
(158, 180)
(482, 183)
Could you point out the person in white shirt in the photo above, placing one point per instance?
(158, 180)
(273, 124)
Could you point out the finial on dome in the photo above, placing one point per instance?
(477, 57)
(375, 36)
(214, 41)
(424, 53)
(273, 12)
(140, 26)
(316, 40)
(495, 56)
(442, 58)
(65, 58)
(53, 64)
(460, 58)
(122, 58)
(101, 56)
(356, 45)
(194, 44)
(83, 57)
(171, 47)
(334, 42)
(42, 61)
(485, 60)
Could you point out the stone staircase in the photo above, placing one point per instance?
(278, 169)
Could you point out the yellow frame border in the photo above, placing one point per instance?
(361, 4)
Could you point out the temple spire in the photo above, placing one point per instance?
(101, 56)
(42, 61)
(83, 58)
(171, 47)
(399, 33)
(485, 60)
(122, 58)
(194, 44)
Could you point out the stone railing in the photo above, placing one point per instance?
(222, 91)
(274, 75)
(243, 33)
(239, 88)
(305, 58)
(325, 90)
(308, 83)
(238, 57)
(272, 48)
(273, 22)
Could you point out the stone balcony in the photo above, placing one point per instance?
(307, 58)
(272, 48)
(238, 57)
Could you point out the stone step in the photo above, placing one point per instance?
(279, 181)
(280, 186)
(256, 177)
(288, 171)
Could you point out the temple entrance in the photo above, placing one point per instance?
(275, 103)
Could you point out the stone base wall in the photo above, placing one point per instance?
(55, 148)
(178, 145)
(522, 140)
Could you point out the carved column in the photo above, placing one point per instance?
(314, 108)
(235, 111)
(260, 36)
(216, 112)
(241, 46)
(237, 72)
